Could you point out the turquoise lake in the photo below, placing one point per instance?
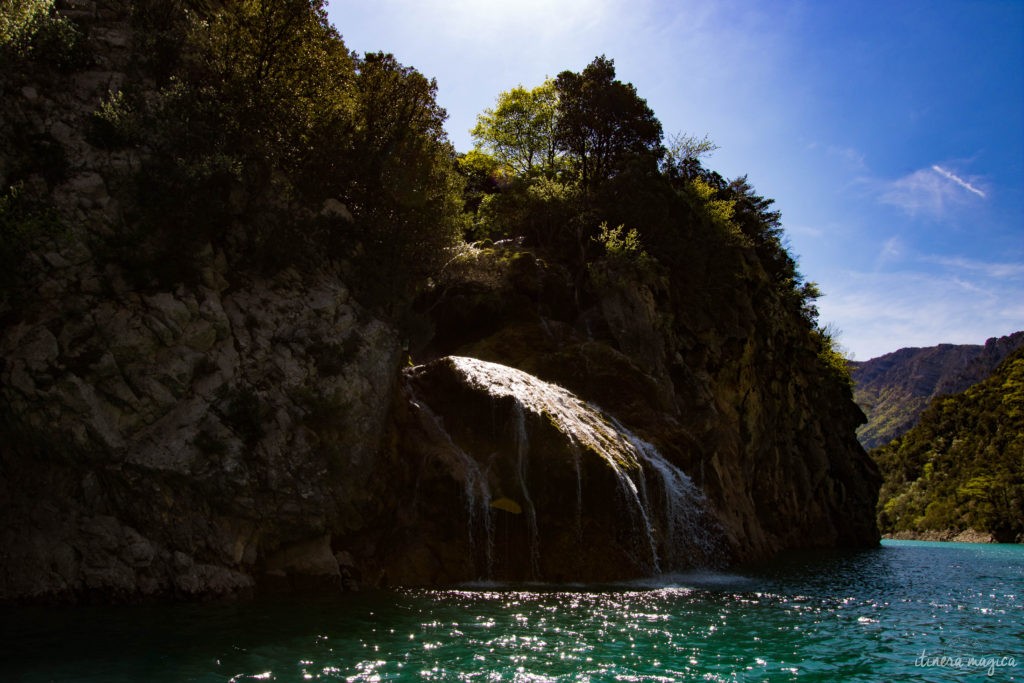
(903, 611)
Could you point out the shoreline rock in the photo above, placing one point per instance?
(944, 536)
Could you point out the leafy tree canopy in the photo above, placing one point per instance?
(263, 118)
(602, 123)
(520, 130)
(33, 31)
(681, 228)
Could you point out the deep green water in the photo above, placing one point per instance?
(885, 614)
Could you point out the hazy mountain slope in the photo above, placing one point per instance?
(893, 390)
(962, 466)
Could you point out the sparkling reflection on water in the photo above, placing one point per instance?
(818, 616)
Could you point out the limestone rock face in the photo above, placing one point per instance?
(173, 441)
(189, 439)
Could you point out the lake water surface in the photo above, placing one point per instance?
(905, 611)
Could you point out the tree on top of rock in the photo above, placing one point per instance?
(603, 125)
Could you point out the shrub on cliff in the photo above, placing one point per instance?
(25, 221)
(33, 31)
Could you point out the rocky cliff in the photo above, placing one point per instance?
(169, 441)
(735, 404)
(247, 428)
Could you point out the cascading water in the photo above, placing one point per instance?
(522, 463)
(664, 508)
(475, 488)
(584, 425)
(688, 526)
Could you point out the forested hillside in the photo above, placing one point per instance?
(962, 466)
(894, 389)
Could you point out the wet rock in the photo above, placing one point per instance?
(545, 486)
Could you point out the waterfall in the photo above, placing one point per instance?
(476, 490)
(667, 512)
(585, 426)
(688, 525)
(522, 462)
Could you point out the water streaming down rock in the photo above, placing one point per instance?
(689, 528)
(522, 437)
(474, 484)
(597, 501)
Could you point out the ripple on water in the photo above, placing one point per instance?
(860, 617)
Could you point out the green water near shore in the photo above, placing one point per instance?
(907, 610)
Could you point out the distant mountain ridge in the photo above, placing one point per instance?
(961, 467)
(893, 390)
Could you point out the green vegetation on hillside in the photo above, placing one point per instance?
(962, 466)
(893, 390)
(557, 165)
(259, 134)
(254, 132)
(33, 30)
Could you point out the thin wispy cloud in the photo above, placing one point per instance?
(992, 269)
(850, 157)
(892, 249)
(958, 180)
(931, 191)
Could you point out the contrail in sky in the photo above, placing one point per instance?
(958, 180)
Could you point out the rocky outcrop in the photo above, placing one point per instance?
(518, 479)
(947, 536)
(195, 439)
(182, 441)
(734, 397)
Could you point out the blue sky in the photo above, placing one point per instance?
(890, 134)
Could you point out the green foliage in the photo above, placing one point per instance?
(263, 119)
(832, 357)
(703, 238)
(520, 130)
(114, 125)
(561, 141)
(19, 18)
(542, 211)
(718, 211)
(962, 466)
(602, 124)
(622, 247)
(484, 176)
(405, 192)
(32, 32)
(624, 259)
